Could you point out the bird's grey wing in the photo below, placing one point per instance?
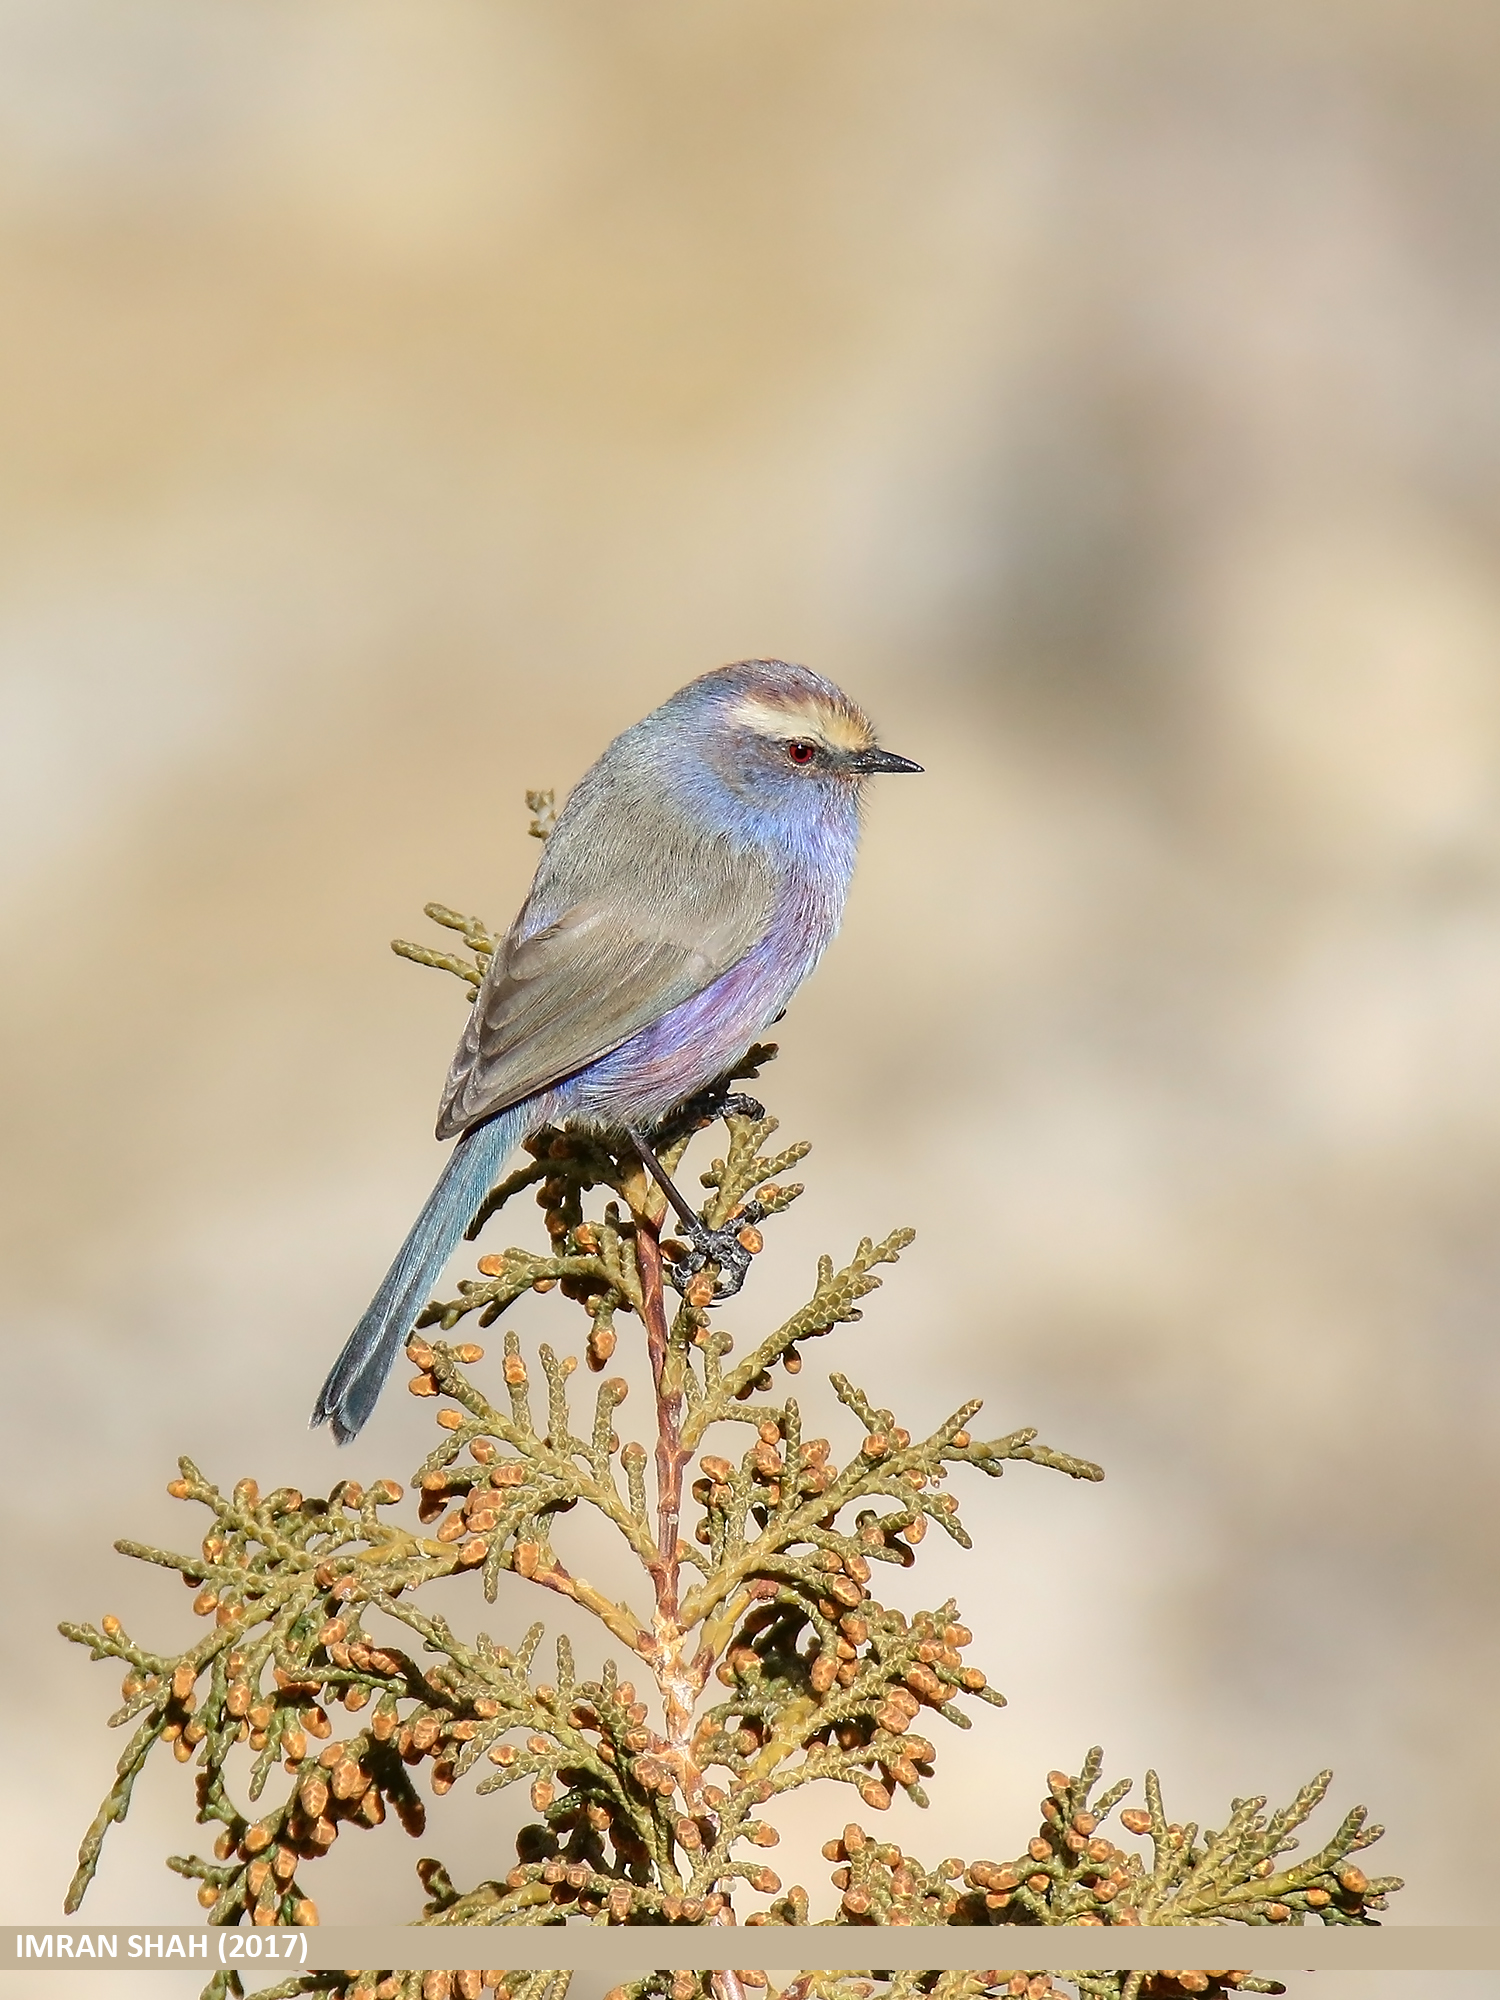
(558, 1000)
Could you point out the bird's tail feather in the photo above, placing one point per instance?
(356, 1379)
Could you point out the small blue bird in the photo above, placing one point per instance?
(692, 882)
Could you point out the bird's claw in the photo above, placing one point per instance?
(704, 1106)
(739, 1104)
(720, 1247)
(724, 1247)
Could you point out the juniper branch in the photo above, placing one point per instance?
(650, 1807)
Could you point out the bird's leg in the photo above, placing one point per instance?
(663, 1180)
(708, 1246)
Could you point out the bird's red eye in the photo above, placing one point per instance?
(801, 753)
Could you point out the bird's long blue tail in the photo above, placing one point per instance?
(356, 1379)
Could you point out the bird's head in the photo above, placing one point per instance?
(776, 732)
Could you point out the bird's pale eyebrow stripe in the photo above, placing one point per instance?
(805, 718)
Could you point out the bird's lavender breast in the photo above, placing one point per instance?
(696, 1041)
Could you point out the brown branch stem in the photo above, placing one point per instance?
(671, 1457)
(681, 1682)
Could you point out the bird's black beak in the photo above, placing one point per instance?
(865, 761)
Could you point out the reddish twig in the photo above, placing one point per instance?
(670, 1455)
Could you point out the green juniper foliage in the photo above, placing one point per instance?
(769, 1659)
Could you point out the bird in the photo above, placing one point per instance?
(692, 881)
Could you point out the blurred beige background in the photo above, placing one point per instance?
(399, 400)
